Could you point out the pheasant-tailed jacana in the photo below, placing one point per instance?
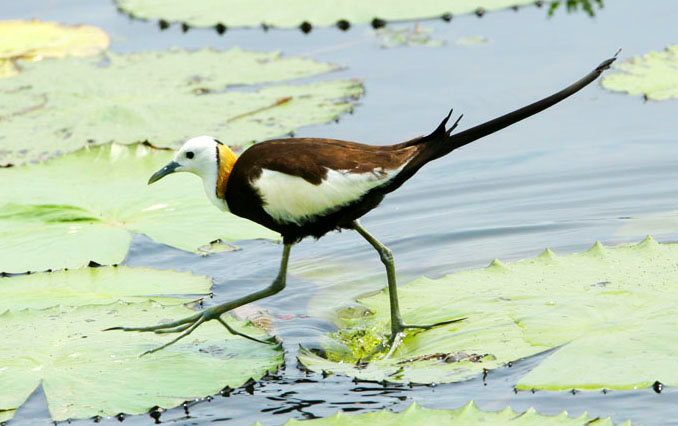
(310, 186)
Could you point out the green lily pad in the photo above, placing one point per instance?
(321, 13)
(102, 286)
(654, 75)
(165, 97)
(468, 415)
(81, 207)
(6, 415)
(86, 372)
(36, 40)
(610, 312)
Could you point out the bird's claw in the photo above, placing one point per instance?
(430, 326)
(186, 326)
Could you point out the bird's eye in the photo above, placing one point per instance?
(189, 154)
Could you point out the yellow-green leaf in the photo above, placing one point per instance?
(164, 97)
(610, 311)
(653, 75)
(86, 372)
(83, 207)
(34, 40)
(292, 13)
(468, 415)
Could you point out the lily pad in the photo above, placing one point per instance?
(163, 97)
(468, 415)
(407, 36)
(100, 286)
(654, 75)
(609, 313)
(86, 372)
(320, 13)
(83, 207)
(470, 41)
(35, 40)
(7, 68)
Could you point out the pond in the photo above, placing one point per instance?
(585, 170)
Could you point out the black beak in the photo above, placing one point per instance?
(168, 169)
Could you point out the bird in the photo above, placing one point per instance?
(307, 187)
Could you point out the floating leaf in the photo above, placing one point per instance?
(468, 415)
(407, 36)
(81, 207)
(472, 40)
(163, 97)
(320, 13)
(34, 40)
(654, 75)
(86, 372)
(101, 286)
(613, 311)
(7, 69)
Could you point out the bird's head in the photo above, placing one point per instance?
(198, 156)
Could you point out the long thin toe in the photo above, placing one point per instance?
(430, 326)
(172, 330)
(238, 333)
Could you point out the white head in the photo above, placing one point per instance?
(198, 156)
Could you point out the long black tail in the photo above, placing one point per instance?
(440, 142)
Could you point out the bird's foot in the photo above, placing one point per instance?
(402, 326)
(186, 326)
(398, 333)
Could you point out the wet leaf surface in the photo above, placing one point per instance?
(86, 372)
(35, 40)
(101, 286)
(468, 415)
(415, 35)
(303, 13)
(653, 75)
(605, 310)
(165, 98)
(82, 207)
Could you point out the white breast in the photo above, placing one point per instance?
(290, 198)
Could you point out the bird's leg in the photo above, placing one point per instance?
(397, 324)
(186, 325)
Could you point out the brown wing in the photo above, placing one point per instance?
(309, 158)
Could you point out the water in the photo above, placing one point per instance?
(582, 171)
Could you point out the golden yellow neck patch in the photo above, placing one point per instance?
(226, 162)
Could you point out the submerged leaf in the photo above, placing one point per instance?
(7, 69)
(81, 207)
(472, 40)
(468, 415)
(612, 309)
(163, 97)
(34, 40)
(294, 13)
(654, 75)
(86, 372)
(100, 286)
(407, 36)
